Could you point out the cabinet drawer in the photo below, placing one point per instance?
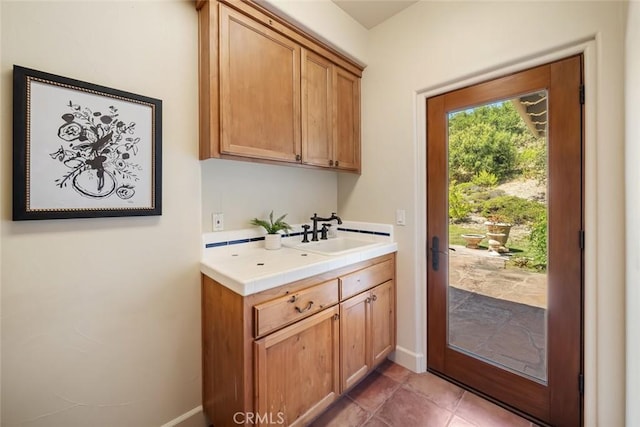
(276, 313)
(364, 279)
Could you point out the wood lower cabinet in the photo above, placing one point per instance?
(297, 369)
(269, 92)
(367, 332)
(284, 355)
(355, 339)
(383, 331)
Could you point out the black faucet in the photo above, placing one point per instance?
(315, 218)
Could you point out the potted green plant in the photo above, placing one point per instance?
(273, 239)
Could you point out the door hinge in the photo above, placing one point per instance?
(581, 94)
(581, 383)
(581, 239)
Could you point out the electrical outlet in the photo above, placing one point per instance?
(401, 217)
(218, 221)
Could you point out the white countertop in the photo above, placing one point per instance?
(249, 268)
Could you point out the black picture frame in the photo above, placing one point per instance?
(81, 150)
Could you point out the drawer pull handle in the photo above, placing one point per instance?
(307, 308)
(293, 298)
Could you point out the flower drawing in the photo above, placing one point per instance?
(98, 150)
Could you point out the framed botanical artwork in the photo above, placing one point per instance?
(81, 150)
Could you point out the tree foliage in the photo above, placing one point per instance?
(459, 206)
(538, 241)
(493, 139)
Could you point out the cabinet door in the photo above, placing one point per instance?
(260, 90)
(354, 339)
(317, 110)
(382, 321)
(297, 370)
(347, 112)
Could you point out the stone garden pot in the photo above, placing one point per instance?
(472, 240)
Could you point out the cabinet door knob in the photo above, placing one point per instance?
(374, 297)
(298, 158)
(336, 163)
(330, 162)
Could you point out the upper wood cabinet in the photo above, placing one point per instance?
(347, 128)
(317, 110)
(330, 114)
(259, 90)
(270, 92)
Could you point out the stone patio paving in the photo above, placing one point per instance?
(498, 313)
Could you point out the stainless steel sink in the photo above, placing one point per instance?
(336, 246)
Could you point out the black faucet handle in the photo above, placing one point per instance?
(305, 228)
(324, 230)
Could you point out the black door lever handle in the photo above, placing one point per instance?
(435, 253)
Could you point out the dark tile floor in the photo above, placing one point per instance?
(393, 396)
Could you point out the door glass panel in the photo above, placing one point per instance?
(497, 289)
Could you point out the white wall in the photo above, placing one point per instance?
(1, 198)
(632, 157)
(93, 336)
(327, 22)
(101, 317)
(432, 44)
(244, 190)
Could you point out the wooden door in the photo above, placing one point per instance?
(308, 348)
(347, 112)
(259, 89)
(317, 110)
(549, 388)
(354, 339)
(382, 322)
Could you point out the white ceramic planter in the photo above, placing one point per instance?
(273, 241)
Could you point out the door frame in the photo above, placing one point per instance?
(590, 306)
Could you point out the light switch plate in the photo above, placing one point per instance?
(401, 217)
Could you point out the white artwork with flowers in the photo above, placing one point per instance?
(87, 152)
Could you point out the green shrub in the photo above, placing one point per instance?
(532, 160)
(538, 241)
(516, 209)
(480, 147)
(485, 179)
(468, 187)
(459, 206)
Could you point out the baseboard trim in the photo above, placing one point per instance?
(409, 359)
(174, 422)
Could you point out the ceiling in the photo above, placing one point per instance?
(370, 13)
